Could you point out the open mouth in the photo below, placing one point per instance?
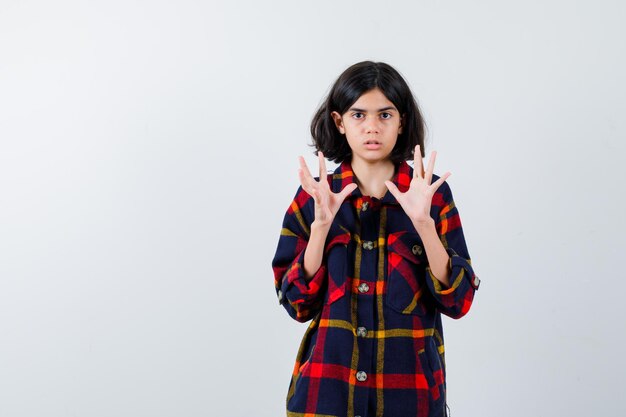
(373, 145)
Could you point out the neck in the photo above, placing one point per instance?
(371, 176)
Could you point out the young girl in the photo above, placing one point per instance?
(372, 255)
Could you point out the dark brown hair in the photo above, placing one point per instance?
(351, 84)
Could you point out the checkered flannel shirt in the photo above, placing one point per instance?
(374, 346)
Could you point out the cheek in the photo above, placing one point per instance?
(352, 141)
(351, 133)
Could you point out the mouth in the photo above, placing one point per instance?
(373, 145)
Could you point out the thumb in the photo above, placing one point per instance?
(393, 189)
(347, 190)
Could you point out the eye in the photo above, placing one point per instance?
(385, 115)
(357, 115)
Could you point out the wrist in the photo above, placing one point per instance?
(423, 224)
(321, 226)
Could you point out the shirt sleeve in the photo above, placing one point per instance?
(455, 300)
(301, 297)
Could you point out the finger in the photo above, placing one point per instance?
(307, 181)
(305, 172)
(323, 172)
(428, 176)
(305, 167)
(347, 190)
(304, 181)
(418, 168)
(393, 189)
(440, 181)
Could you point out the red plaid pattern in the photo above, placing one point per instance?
(374, 346)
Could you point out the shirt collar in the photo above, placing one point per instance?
(343, 175)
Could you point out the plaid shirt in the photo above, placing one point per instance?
(374, 346)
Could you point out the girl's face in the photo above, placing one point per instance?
(371, 126)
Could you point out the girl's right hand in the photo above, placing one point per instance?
(327, 203)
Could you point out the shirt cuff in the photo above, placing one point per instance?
(298, 287)
(460, 269)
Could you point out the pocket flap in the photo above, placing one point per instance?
(405, 269)
(408, 245)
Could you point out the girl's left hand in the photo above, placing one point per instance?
(416, 201)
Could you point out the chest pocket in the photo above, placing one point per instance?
(406, 262)
(336, 264)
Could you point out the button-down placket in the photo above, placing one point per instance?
(365, 297)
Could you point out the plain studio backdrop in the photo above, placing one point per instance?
(149, 153)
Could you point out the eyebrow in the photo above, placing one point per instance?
(379, 110)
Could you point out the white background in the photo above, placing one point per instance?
(149, 152)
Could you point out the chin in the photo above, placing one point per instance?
(377, 158)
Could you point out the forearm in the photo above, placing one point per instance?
(314, 251)
(438, 258)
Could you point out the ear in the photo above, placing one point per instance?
(402, 119)
(338, 122)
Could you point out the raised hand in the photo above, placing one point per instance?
(416, 201)
(327, 203)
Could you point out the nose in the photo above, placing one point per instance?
(372, 124)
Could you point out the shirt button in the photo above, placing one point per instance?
(365, 206)
(364, 287)
(361, 331)
(417, 250)
(361, 376)
(368, 244)
(476, 281)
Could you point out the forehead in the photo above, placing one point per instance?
(373, 100)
